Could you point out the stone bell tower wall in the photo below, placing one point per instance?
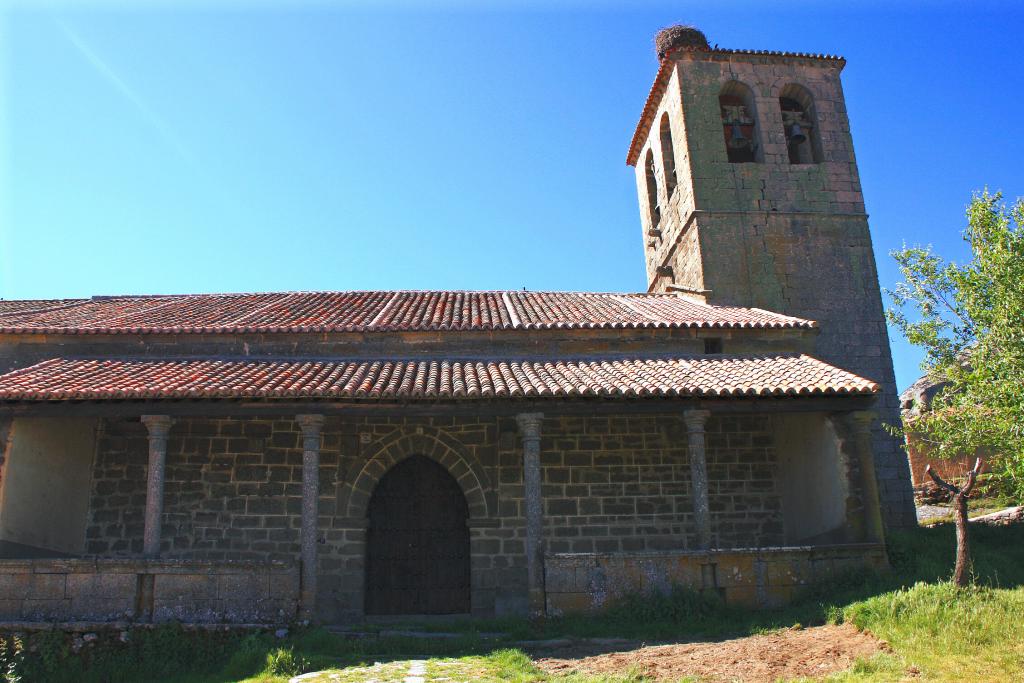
(787, 237)
(674, 208)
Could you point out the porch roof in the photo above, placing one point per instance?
(778, 374)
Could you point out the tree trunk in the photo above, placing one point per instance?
(962, 572)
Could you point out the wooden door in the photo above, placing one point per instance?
(417, 544)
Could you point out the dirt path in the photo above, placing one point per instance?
(809, 652)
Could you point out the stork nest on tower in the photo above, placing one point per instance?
(679, 36)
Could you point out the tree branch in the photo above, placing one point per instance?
(972, 477)
(954, 311)
(938, 480)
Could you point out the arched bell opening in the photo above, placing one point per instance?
(739, 123)
(800, 125)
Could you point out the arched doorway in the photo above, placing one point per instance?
(417, 543)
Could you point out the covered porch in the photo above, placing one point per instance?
(260, 509)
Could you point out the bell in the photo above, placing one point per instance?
(796, 134)
(736, 139)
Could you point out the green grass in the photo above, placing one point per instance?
(948, 633)
(936, 632)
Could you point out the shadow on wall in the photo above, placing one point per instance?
(45, 487)
(9, 550)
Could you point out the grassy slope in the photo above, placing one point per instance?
(933, 629)
(944, 633)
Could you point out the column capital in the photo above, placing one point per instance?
(158, 425)
(853, 423)
(529, 424)
(696, 419)
(310, 424)
(861, 419)
(5, 433)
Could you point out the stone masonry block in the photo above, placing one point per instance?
(736, 569)
(191, 611)
(286, 584)
(778, 595)
(792, 571)
(242, 587)
(570, 603)
(685, 571)
(47, 587)
(101, 585)
(87, 608)
(46, 610)
(741, 596)
(559, 578)
(14, 586)
(174, 588)
(10, 610)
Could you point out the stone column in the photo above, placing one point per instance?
(529, 430)
(854, 429)
(6, 431)
(695, 421)
(310, 426)
(158, 426)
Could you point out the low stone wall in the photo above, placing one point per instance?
(763, 577)
(102, 590)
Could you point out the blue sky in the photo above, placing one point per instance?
(228, 146)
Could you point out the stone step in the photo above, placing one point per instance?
(550, 643)
(356, 634)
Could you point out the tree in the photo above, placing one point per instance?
(962, 571)
(969, 320)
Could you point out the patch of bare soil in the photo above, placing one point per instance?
(793, 653)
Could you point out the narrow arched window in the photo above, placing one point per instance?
(652, 189)
(668, 156)
(800, 126)
(739, 123)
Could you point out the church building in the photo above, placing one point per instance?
(331, 456)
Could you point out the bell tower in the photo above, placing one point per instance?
(749, 196)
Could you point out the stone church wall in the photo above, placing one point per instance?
(611, 485)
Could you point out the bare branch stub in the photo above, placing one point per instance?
(938, 480)
(972, 478)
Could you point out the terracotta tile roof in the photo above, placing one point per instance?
(716, 376)
(665, 72)
(780, 53)
(650, 109)
(9, 306)
(375, 311)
